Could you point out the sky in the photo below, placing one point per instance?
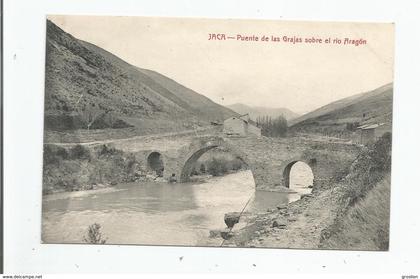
(298, 76)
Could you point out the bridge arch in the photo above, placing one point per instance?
(155, 162)
(288, 165)
(198, 149)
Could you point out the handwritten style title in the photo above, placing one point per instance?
(287, 39)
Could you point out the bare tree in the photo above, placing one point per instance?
(90, 114)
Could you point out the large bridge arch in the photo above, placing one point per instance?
(198, 148)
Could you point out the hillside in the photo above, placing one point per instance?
(83, 81)
(343, 116)
(255, 112)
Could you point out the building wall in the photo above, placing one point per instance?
(368, 136)
(235, 126)
(254, 130)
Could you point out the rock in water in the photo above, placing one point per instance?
(231, 219)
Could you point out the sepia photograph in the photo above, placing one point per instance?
(217, 132)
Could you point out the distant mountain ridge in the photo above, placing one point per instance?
(342, 103)
(365, 108)
(255, 112)
(80, 75)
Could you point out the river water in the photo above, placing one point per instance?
(161, 213)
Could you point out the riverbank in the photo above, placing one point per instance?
(296, 225)
(80, 168)
(316, 222)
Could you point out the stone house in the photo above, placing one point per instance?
(241, 126)
(367, 133)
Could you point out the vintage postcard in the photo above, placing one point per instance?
(217, 132)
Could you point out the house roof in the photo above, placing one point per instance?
(242, 117)
(250, 121)
(237, 117)
(370, 126)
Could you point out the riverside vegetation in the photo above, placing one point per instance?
(82, 168)
(218, 166)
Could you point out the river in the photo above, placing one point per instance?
(154, 213)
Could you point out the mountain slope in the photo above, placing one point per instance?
(202, 105)
(81, 76)
(358, 98)
(366, 108)
(255, 112)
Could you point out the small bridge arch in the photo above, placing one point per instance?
(288, 165)
(155, 162)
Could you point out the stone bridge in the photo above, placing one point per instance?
(269, 159)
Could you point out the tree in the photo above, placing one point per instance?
(272, 128)
(91, 114)
(94, 235)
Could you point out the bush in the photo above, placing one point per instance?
(118, 124)
(130, 164)
(106, 150)
(94, 235)
(50, 157)
(194, 171)
(352, 126)
(77, 173)
(62, 122)
(381, 153)
(217, 167)
(202, 168)
(83, 120)
(54, 154)
(236, 164)
(79, 152)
